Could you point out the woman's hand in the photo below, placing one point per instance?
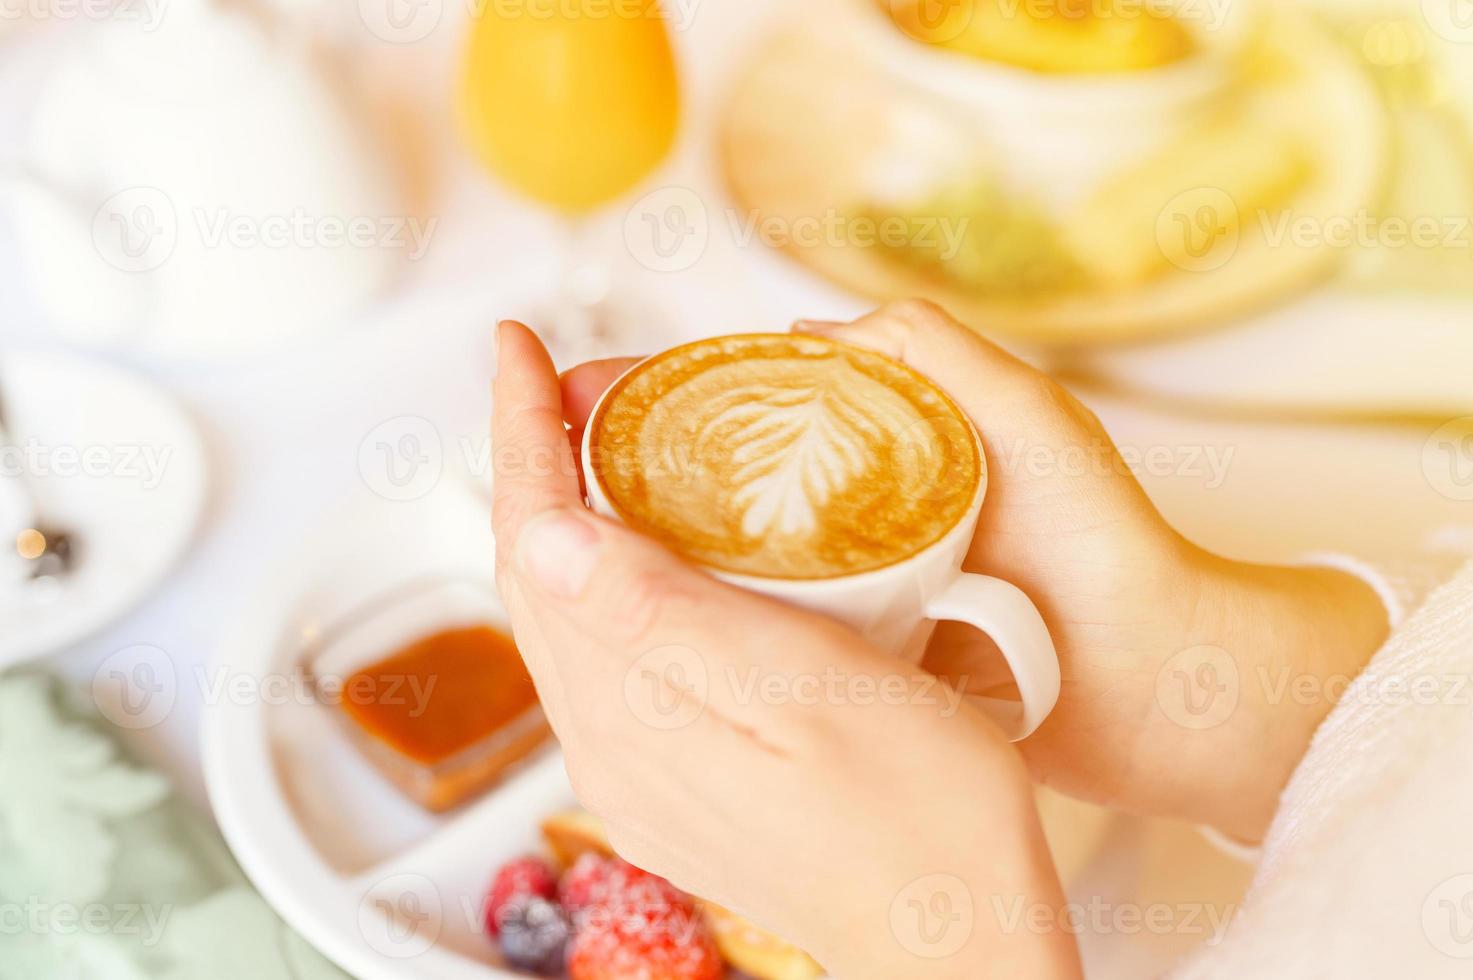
(759, 756)
(1181, 670)
(1174, 661)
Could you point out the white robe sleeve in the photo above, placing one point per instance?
(1367, 870)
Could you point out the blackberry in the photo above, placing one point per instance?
(534, 935)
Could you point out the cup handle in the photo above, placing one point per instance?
(1002, 611)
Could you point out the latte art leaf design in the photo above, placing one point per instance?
(784, 456)
(792, 450)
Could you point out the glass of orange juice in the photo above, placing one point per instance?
(572, 103)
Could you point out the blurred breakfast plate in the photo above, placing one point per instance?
(382, 887)
(1390, 336)
(118, 464)
(387, 890)
(1165, 242)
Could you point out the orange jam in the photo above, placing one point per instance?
(448, 714)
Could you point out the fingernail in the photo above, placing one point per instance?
(558, 552)
(496, 348)
(814, 326)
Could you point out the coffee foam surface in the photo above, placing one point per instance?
(785, 456)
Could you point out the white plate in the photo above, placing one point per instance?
(328, 841)
(115, 460)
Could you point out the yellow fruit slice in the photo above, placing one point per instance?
(1051, 36)
(755, 951)
(1186, 206)
(572, 833)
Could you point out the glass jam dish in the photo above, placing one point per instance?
(430, 688)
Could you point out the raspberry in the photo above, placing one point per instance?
(642, 928)
(534, 935)
(521, 876)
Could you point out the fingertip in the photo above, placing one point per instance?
(518, 347)
(515, 334)
(585, 384)
(815, 326)
(532, 463)
(503, 328)
(860, 334)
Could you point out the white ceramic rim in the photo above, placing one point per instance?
(965, 527)
(176, 536)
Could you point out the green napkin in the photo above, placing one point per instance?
(106, 874)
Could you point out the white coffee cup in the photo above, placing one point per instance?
(897, 607)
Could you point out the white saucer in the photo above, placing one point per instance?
(328, 841)
(129, 481)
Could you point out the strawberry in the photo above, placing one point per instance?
(593, 879)
(638, 926)
(518, 877)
